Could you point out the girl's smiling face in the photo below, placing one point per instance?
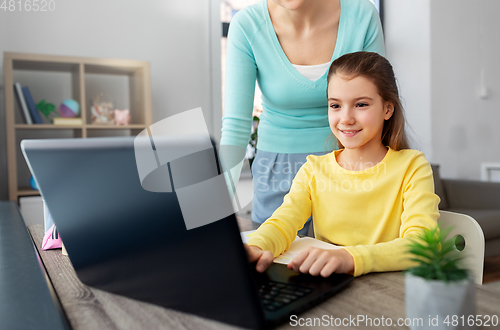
(356, 112)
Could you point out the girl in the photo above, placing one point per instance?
(371, 196)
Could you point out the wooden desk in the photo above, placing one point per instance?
(372, 296)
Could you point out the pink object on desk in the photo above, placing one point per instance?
(51, 239)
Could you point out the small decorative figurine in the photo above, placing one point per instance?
(48, 109)
(33, 183)
(122, 117)
(69, 108)
(102, 110)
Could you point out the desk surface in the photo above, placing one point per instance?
(373, 296)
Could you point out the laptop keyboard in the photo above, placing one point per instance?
(276, 295)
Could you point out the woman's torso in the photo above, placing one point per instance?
(295, 117)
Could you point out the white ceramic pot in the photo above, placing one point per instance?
(433, 304)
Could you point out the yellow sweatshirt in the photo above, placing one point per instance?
(371, 213)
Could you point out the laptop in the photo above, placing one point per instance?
(127, 240)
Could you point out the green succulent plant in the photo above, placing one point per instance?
(437, 257)
(48, 109)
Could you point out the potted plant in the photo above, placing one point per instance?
(439, 291)
(252, 144)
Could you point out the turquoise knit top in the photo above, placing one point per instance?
(295, 116)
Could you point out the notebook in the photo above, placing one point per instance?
(298, 245)
(127, 240)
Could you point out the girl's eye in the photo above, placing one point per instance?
(334, 106)
(362, 104)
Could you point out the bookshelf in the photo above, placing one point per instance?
(78, 78)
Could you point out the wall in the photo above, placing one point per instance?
(172, 35)
(408, 47)
(464, 125)
(444, 55)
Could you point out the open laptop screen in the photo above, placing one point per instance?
(124, 239)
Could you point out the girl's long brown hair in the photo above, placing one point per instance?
(378, 69)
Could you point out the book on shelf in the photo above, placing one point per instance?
(22, 103)
(68, 121)
(35, 116)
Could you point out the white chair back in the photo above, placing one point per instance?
(472, 233)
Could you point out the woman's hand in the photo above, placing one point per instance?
(317, 261)
(264, 258)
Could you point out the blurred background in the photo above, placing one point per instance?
(443, 52)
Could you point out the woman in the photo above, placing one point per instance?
(287, 47)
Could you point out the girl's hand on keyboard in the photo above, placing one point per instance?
(317, 261)
(264, 258)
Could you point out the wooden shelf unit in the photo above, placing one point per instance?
(136, 73)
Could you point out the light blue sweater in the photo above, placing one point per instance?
(295, 116)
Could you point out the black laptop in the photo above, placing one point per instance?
(133, 242)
